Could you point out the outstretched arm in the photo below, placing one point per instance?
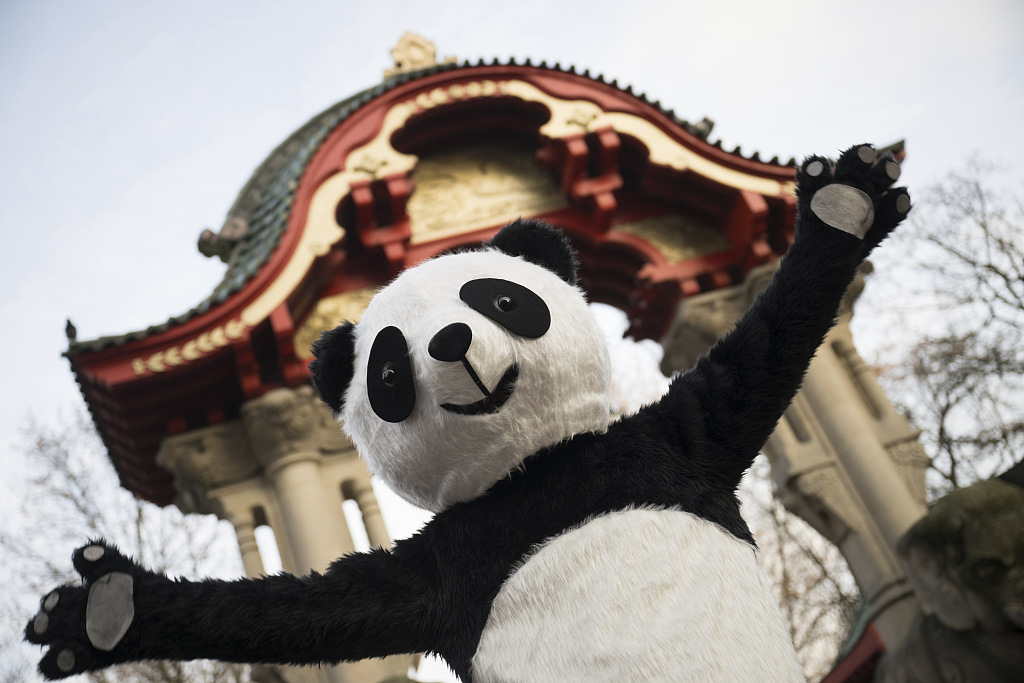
(726, 407)
(367, 605)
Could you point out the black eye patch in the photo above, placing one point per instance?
(511, 305)
(389, 381)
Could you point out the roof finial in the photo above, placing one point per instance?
(414, 52)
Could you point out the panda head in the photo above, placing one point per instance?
(467, 364)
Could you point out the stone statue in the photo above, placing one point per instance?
(965, 561)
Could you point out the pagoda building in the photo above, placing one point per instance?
(213, 410)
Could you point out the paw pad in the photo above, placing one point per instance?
(892, 169)
(110, 610)
(41, 623)
(866, 153)
(814, 168)
(93, 552)
(66, 661)
(903, 204)
(51, 601)
(844, 208)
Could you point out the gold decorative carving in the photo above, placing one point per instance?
(378, 158)
(582, 117)
(572, 116)
(676, 237)
(328, 314)
(460, 91)
(412, 53)
(472, 187)
(191, 350)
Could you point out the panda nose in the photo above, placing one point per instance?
(451, 342)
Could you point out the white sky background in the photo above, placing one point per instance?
(128, 127)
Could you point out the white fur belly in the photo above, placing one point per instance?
(637, 595)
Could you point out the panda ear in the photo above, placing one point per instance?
(332, 367)
(540, 243)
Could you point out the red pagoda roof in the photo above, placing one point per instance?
(327, 216)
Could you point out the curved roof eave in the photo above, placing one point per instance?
(265, 200)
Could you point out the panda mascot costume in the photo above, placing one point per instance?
(565, 547)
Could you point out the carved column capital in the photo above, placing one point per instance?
(284, 422)
(700, 320)
(209, 456)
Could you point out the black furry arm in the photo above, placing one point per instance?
(725, 408)
(366, 605)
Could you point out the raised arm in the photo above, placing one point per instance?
(730, 402)
(367, 605)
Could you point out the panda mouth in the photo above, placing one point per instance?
(492, 400)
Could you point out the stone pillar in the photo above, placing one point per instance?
(285, 433)
(842, 458)
(245, 530)
(284, 463)
(361, 492)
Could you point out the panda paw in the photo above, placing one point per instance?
(82, 625)
(853, 195)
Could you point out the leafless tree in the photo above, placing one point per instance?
(71, 494)
(813, 585)
(962, 382)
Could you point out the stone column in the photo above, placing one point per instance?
(842, 458)
(284, 433)
(361, 492)
(245, 531)
(831, 468)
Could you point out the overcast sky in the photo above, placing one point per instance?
(127, 127)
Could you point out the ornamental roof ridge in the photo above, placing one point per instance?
(264, 202)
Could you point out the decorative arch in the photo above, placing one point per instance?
(635, 187)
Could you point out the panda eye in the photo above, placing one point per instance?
(505, 304)
(516, 308)
(389, 376)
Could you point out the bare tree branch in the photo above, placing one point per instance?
(73, 495)
(962, 382)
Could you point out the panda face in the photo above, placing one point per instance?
(464, 366)
(389, 381)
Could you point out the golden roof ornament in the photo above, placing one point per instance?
(414, 52)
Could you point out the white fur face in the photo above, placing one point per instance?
(436, 457)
